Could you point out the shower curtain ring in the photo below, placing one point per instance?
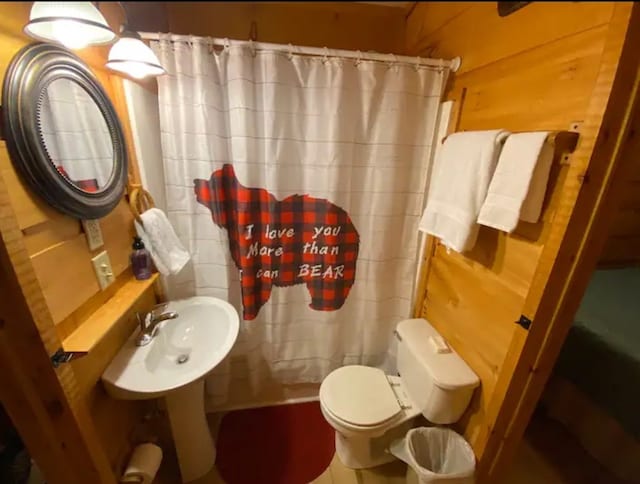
(325, 57)
(290, 53)
(416, 66)
(393, 61)
(227, 44)
(252, 48)
(358, 58)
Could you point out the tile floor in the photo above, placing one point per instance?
(556, 457)
(336, 473)
(546, 456)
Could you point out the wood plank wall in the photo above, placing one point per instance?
(61, 259)
(533, 70)
(340, 25)
(623, 246)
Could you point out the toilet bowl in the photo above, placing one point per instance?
(367, 420)
(369, 409)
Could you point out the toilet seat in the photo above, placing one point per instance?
(359, 396)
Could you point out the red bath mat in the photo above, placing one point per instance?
(286, 444)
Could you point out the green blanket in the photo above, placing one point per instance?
(602, 352)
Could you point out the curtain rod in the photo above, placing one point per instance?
(453, 64)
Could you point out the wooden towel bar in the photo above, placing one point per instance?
(565, 141)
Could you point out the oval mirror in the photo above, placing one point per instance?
(62, 132)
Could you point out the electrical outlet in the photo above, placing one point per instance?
(93, 233)
(102, 266)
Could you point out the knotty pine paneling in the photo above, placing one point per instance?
(338, 25)
(59, 257)
(474, 30)
(533, 70)
(623, 246)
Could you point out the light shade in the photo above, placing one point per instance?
(131, 56)
(73, 24)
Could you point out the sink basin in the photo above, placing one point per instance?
(172, 366)
(183, 350)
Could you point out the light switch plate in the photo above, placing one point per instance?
(93, 233)
(102, 266)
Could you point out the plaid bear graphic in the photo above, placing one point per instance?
(297, 240)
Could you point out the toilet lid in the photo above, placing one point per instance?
(359, 395)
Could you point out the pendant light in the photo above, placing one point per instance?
(73, 24)
(131, 56)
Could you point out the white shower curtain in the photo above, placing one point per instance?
(353, 136)
(76, 134)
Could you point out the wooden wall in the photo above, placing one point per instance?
(623, 246)
(340, 25)
(536, 69)
(59, 256)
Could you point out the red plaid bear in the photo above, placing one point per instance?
(297, 240)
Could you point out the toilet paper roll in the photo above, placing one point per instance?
(143, 465)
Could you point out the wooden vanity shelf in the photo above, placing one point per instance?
(96, 326)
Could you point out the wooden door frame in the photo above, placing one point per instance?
(573, 249)
(43, 403)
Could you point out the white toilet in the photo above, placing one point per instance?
(369, 409)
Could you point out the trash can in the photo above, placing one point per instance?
(435, 455)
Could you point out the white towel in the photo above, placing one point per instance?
(461, 177)
(159, 238)
(519, 183)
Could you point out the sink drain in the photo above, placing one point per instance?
(182, 359)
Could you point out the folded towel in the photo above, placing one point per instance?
(459, 185)
(158, 236)
(518, 186)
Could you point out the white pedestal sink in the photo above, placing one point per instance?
(172, 366)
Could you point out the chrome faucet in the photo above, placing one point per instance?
(150, 321)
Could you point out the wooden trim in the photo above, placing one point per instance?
(44, 404)
(578, 233)
(410, 10)
(421, 293)
(91, 331)
(432, 242)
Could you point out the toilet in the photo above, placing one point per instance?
(369, 409)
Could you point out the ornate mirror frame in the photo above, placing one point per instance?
(31, 70)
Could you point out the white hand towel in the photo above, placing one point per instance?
(518, 186)
(158, 236)
(461, 177)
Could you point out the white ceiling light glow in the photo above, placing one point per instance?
(130, 55)
(73, 24)
(80, 24)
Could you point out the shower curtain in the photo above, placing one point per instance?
(297, 184)
(76, 135)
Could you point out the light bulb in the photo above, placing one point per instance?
(135, 70)
(70, 34)
(131, 56)
(73, 24)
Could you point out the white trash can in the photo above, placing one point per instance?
(435, 455)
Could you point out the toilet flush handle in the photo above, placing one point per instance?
(439, 344)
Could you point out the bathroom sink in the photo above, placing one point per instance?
(183, 350)
(172, 366)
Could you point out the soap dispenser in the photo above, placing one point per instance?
(140, 260)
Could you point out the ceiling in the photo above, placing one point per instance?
(402, 5)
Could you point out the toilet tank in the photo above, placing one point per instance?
(439, 381)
